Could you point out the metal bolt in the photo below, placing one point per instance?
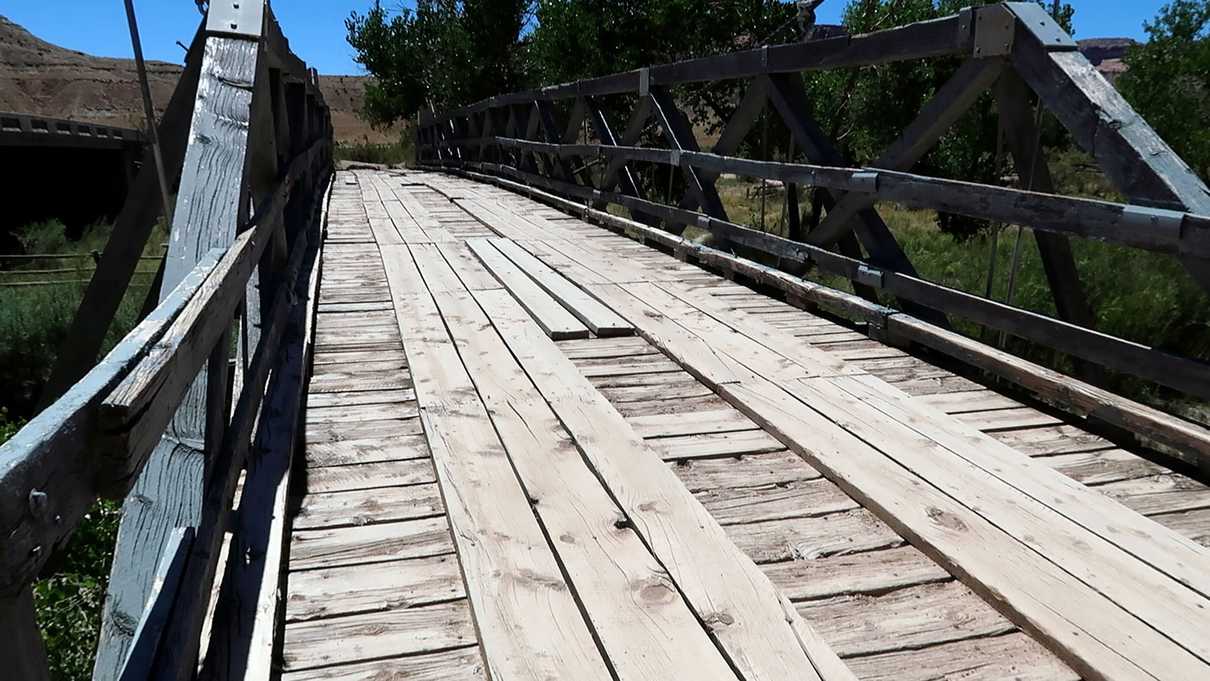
(38, 503)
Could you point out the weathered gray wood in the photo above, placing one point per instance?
(245, 620)
(46, 489)
(949, 104)
(209, 206)
(147, 638)
(180, 662)
(21, 645)
(1024, 139)
(679, 132)
(129, 237)
(1125, 356)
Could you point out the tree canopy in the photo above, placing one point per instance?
(1168, 79)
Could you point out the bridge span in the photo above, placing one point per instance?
(536, 448)
(467, 421)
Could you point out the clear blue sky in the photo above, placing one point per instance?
(317, 33)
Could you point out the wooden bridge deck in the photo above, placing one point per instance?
(500, 478)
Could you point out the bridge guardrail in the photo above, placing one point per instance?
(206, 386)
(1013, 49)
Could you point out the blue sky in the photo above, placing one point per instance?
(316, 27)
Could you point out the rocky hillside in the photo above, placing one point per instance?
(41, 78)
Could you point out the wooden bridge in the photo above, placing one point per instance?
(44, 154)
(462, 421)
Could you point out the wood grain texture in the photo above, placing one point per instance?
(511, 571)
(650, 634)
(353, 638)
(208, 209)
(681, 534)
(554, 319)
(599, 319)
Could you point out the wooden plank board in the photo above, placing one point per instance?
(601, 320)
(763, 638)
(554, 319)
(867, 572)
(693, 423)
(353, 638)
(761, 397)
(1014, 656)
(512, 576)
(458, 664)
(710, 445)
(364, 476)
(732, 506)
(369, 544)
(811, 538)
(329, 592)
(650, 635)
(359, 507)
(746, 470)
(1091, 631)
(904, 619)
(370, 450)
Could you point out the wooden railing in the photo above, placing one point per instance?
(206, 389)
(540, 140)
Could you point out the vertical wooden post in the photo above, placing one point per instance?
(210, 205)
(21, 649)
(1012, 99)
(130, 233)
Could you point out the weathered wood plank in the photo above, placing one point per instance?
(599, 319)
(652, 634)
(365, 476)
(868, 572)
(511, 571)
(1014, 656)
(329, 592)
(369, 450)
(354, 638)
(361, 507)
(460, 664)
(369, 544)
(555, 320)
(769, 643)
(45, 449)
(903, 619)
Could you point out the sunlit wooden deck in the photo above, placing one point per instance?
(536, 449)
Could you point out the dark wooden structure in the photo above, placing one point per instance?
(1012, 49)
(435, 424)
(208, 383)
(42, 155)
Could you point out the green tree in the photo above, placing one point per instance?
(1168, 79)
(866, 109)
(444, 53)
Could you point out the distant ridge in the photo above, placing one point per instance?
(41, 78)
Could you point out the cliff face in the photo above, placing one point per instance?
(40, 78)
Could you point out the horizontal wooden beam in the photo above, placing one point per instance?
(1188, 441)
(47, 480)
(1154, 229)
(934, 38)
(1180, 373)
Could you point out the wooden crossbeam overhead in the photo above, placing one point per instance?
(1008, 49)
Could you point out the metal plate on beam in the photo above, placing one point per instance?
(994, 29)
(1048, 31)
(244, 18)
(869, 276)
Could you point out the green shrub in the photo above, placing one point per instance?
(33, 324)
(69, 601)
(396, 153)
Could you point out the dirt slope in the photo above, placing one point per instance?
(41, 78)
